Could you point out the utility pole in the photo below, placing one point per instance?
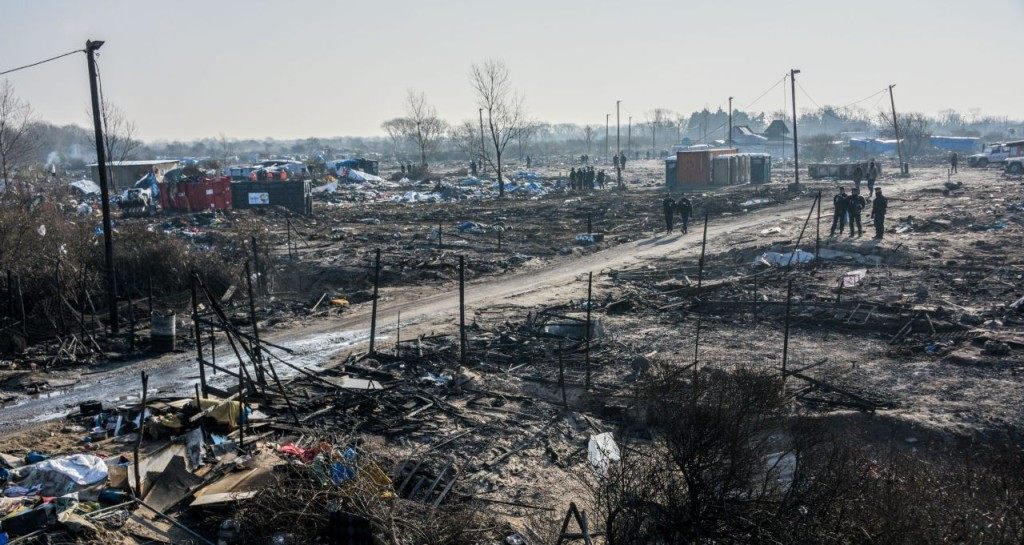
(729, 140)
(796, 150)
(483, 153)
(607, 118)
(101, 166)
(896, 127)
(618, 144)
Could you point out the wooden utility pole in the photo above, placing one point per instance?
(796, 149)
(607, 120)
(101, 167)
(618, 144)
(896, 127)
(729, 140)
(373, 311)
(561, 375)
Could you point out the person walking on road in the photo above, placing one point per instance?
(839, 202)
(854, 206)
(669, 207)
(685, 208)
(878, 210)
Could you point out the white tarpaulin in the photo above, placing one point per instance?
(776, 259)
(354, 175)
(63, 475)
(88, 187)
(602, 451)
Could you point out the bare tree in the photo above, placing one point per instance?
(422, 125)
(16, 141)
(503, 108)
(588, 136)
(465, 137)
(118, 137)
(396, 130)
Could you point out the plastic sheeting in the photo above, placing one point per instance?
(63, 475)
(602, 451)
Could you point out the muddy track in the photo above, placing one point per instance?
(318, 341)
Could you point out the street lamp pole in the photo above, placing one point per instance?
(101, 166)
(796, 149)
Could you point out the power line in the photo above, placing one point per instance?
(5, 72)
(806, 94)
(765, 93)
(862, 100)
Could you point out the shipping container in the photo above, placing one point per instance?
(693, 169)
(760, 168)
(721, 170)
(293, 195)
(208, 194)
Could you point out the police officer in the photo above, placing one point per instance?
(953, 160)
(572, 178)
(878, 209)
(839, 202)
(472, 167)
(858, 175)
(685, 208)
(669, 207)
(854, 206)
(622, 161)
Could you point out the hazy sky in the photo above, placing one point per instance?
(252, 68)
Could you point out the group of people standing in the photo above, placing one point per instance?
(872, 175)
(586, 178)
(671, 207)
(619, 161)
(848, 209)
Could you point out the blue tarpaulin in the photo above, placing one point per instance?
(873, 146)
(149, 182)
(964, 144)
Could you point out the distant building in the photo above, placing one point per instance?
(743, 136)
(777, 131)
(124, 174)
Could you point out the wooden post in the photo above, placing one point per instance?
(373, 312)
(199, 336)
(703, 247)
(802, 229)
(213, 348)
(561, 375)
(590, 286)
(499, 240)
(696, 354)
(241, 396)
(288, 236)
(785, 335)
(81, 301)
(590, 223)
(398, 336)
(10, 296)
(817, 232)
(462, 310)
(261, 285)
(439, 234)
(142, 433)
(149, 293)
(257, 361)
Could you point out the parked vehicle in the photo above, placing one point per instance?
(993, 154)
(1015, 161)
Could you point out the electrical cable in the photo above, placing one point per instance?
(5, 72)
(806, 94)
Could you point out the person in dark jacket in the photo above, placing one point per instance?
(953, 160)
(669, 207)
(572, 179)
(854, 206)
(685, 208)
(872, 176)
(878, 210)
(858, 175)
(839, 202)
(622, 161)
(472, 168)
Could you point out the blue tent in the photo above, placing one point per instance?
(961, 144)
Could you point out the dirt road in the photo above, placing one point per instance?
(316, 342)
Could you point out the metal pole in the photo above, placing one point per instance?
(199, 336)
(288, 236)
(590, 287)
(896, 127)
(261, 286)
(618, 144)
(373, 315)
(796, 150)
(462, 310)
(101, 167)
(398, 336)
